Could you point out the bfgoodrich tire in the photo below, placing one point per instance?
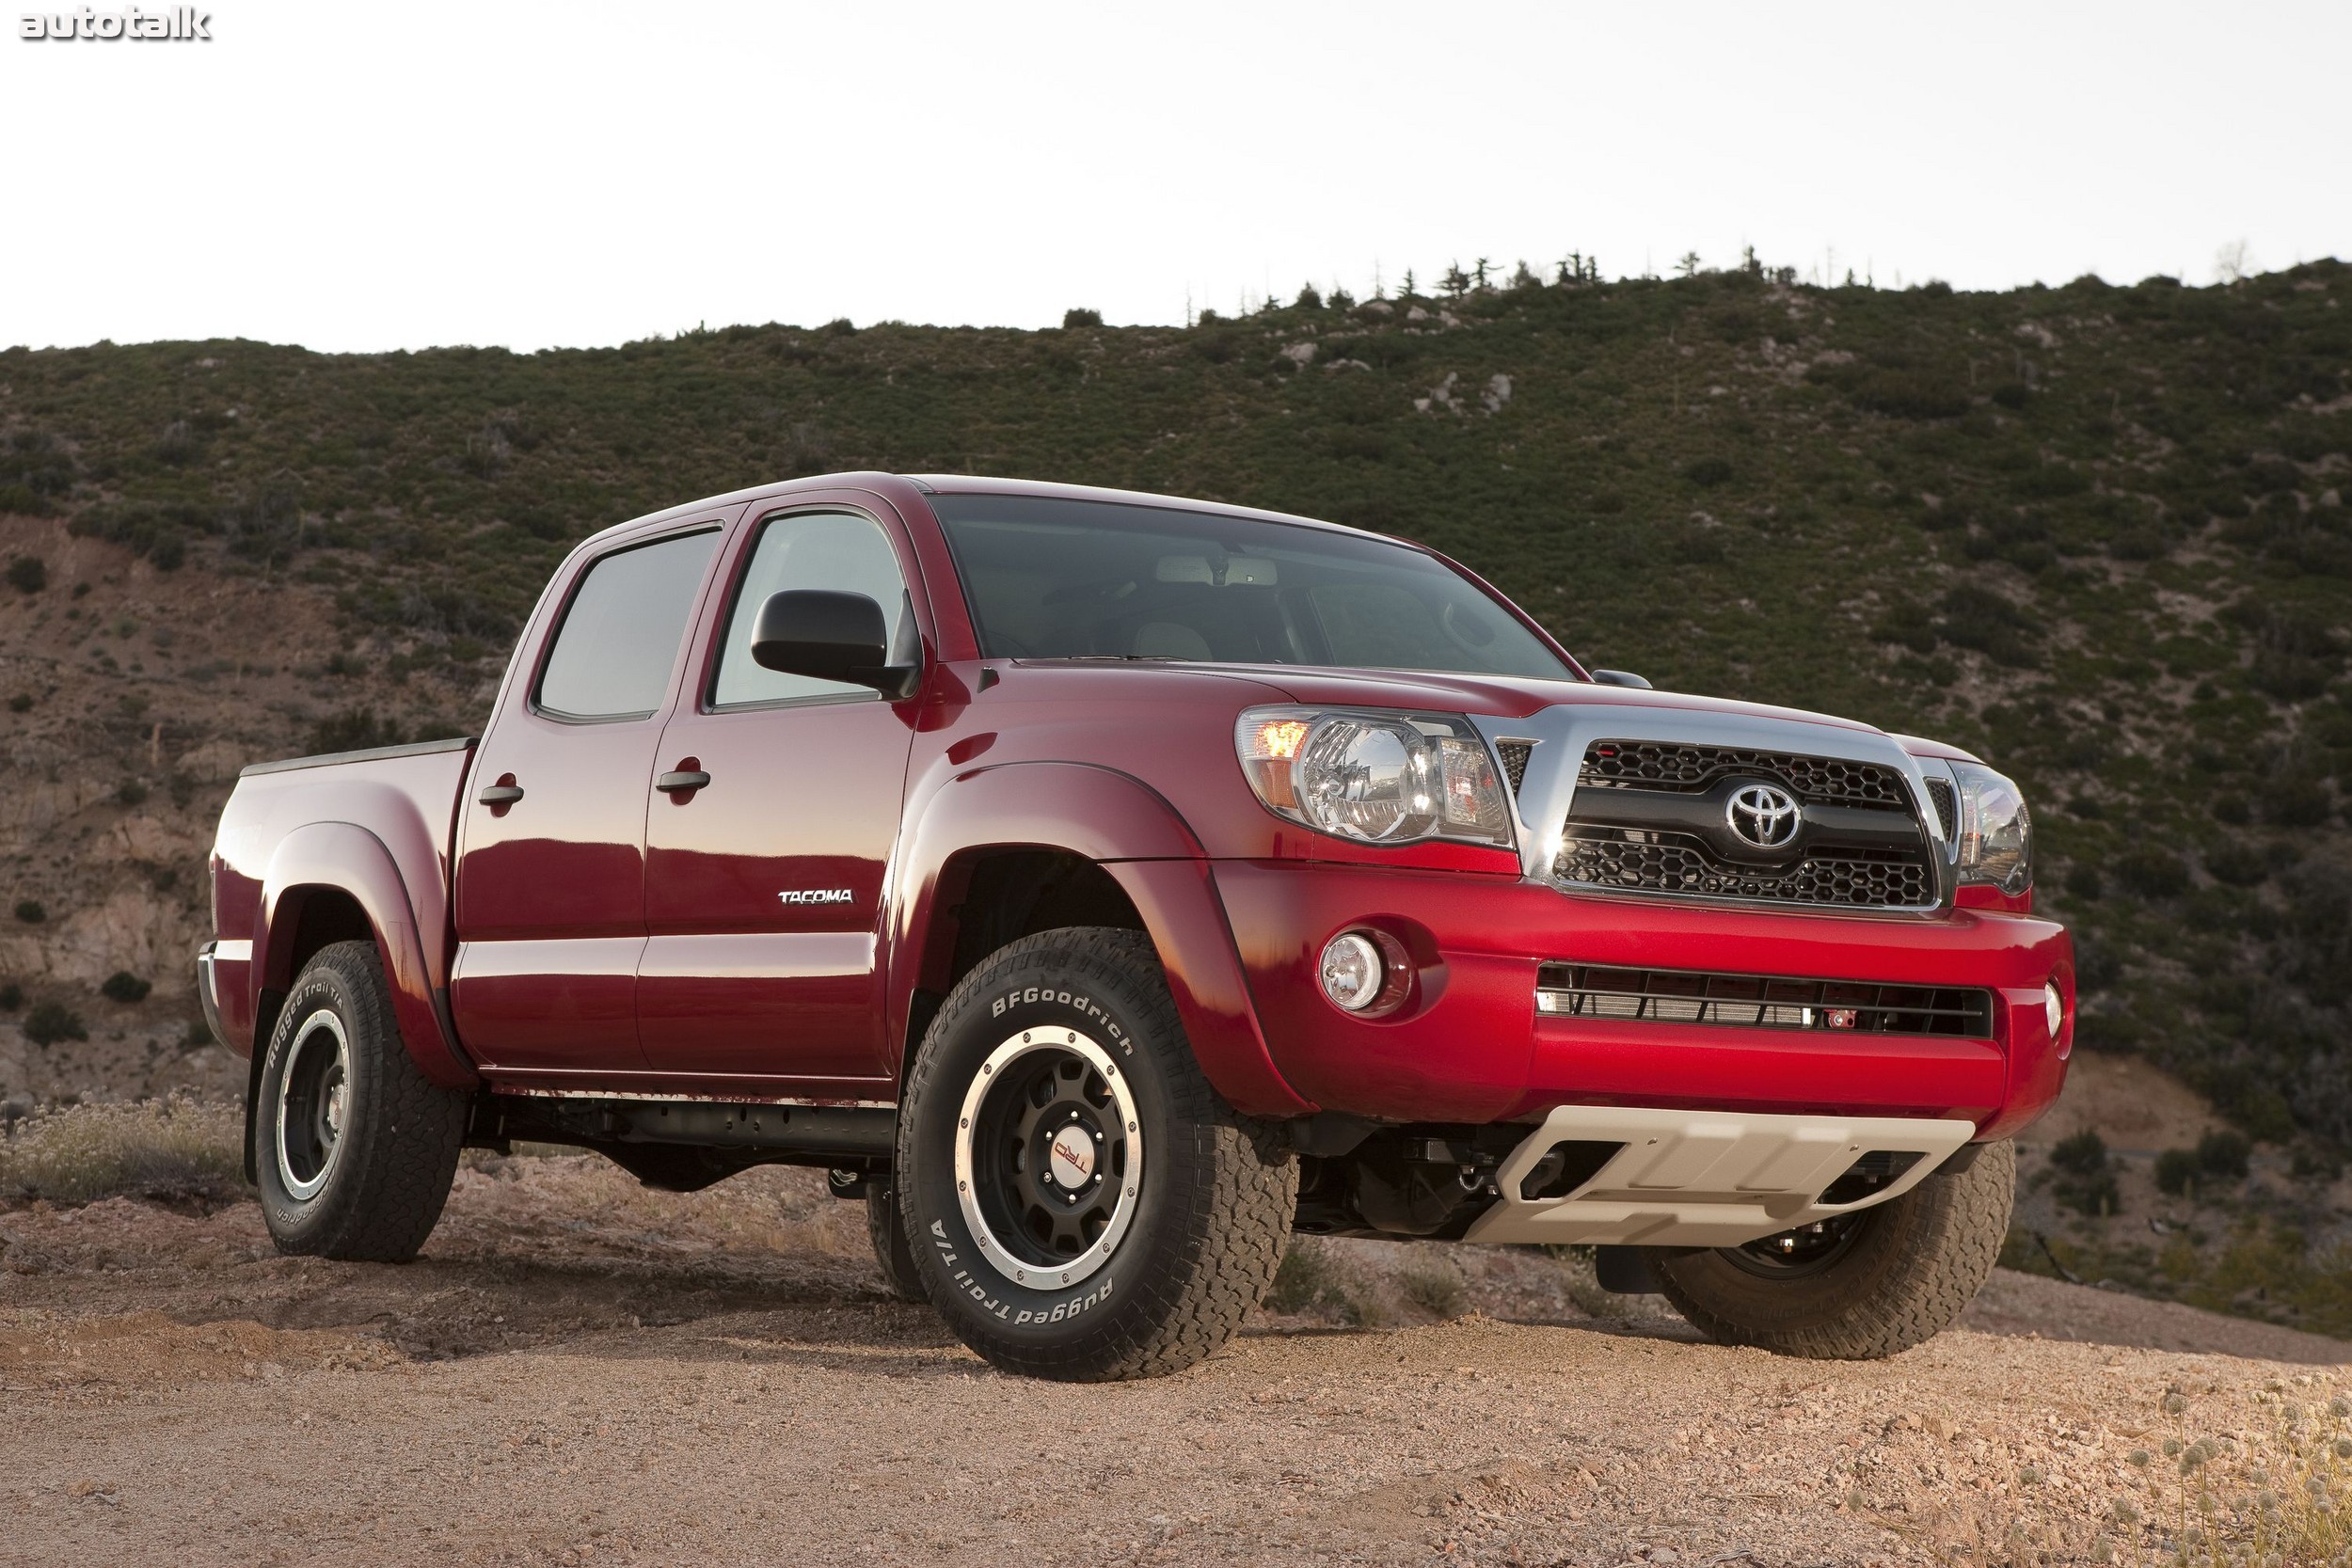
(886, 1228)
(1080, 1203)
(1883, 1281)
(353, 1146)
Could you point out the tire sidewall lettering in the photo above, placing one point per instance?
(1085, 1006)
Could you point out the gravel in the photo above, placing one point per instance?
(581, 1371)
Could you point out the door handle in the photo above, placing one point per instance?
(684, 782)
(502, 795)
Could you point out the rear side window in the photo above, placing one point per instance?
(838, 550)
(620, 636)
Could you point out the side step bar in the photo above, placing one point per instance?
(791, 1135)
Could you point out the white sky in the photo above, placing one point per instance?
(357, 176)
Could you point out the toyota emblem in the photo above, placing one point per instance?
(1763, 814)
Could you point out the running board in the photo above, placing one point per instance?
(1703, 1178)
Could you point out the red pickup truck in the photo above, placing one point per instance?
(1101, 886)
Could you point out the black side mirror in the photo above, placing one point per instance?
(829, 636)
(1620, 677)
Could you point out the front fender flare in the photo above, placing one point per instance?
(344, 857)
(1122, 824)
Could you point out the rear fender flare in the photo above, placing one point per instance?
(345, 858)
(1125, 827)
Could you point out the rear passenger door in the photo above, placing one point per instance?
(550, 894)
(764, 884)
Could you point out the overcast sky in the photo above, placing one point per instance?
(370, 177)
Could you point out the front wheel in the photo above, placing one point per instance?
(1080, 1203)
(1859, 1286)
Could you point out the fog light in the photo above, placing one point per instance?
(2052, 1007)
(1352, 971)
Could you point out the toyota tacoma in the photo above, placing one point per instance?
(1102, 887)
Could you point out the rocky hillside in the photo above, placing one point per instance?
(2097, 532)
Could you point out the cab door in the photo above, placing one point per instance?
(550, 899)
(769, 832)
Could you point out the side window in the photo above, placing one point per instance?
(620, 634)
(839, 550)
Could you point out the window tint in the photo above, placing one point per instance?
(620, 636)
(1051, 577)
(837, 551)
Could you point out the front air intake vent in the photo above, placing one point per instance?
(1946, 807)
(1761, 1001)
(1515, 755)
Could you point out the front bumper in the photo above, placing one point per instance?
(1471, 1047)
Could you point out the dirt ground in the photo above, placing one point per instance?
(581, 1372)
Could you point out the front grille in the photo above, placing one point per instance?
(1761, 1001)
(1659, 816)
(1515, 755)
(1689, 770)
(1947, 806)
(1664, 863)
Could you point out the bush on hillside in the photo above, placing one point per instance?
(52, 1022)
(123, 985)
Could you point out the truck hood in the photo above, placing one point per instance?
(1492, 696)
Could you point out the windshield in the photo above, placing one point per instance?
(1049, 577)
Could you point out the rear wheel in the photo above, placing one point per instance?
(886, 1228)
(353, 1148)
(1080, 1204)
(1859, 1286)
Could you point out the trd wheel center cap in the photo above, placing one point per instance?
(1072, 1156)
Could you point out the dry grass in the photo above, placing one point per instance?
(171, 1150)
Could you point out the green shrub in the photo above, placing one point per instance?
(2082, 1152)
(2095, 1193)
(21, 703)
(28, 574)
(2223, 1153)
(1437, 1289)
(1309, 1279)
(2152, 873)
(1081, 316)
(2177, 1170)
(52, 1022)
(177, 1148)
(31, 910)
(11, 997)
(123, 985)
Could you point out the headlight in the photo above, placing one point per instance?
(1379, 778)
(1996, 831)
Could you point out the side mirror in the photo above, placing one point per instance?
(829, 636)
(1620, 677)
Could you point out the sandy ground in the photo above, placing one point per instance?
(581, 1372)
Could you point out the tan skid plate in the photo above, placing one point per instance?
(1704, 1179)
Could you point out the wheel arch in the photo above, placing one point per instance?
(337, 881)
(1003, 852)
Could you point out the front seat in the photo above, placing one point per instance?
(1168, 640)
